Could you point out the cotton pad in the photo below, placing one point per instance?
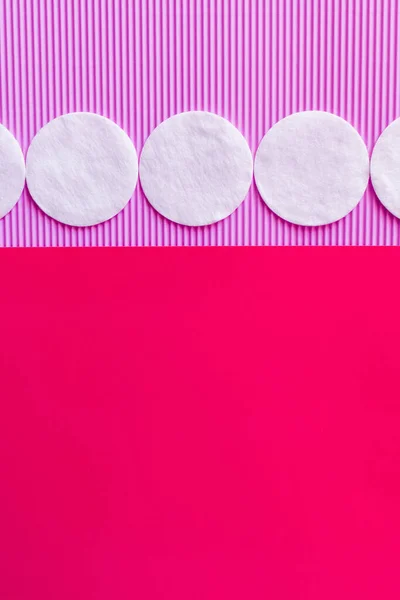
(196, 168)
(385, 168)
(12, 171)
(312, 168)
(81, 169)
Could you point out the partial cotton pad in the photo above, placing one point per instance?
(312, 168)
(81, 169)
(12, 171)
(196, 168)
(385, 168)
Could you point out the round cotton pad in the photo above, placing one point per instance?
(196, 168)
(312, 168)
(12, 171)
(385, 168)
(81, 169)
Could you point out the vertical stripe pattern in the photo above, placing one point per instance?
(253, 62)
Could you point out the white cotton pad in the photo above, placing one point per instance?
(196, 168)
(81, 169)
(312, 168)
(12, 171)
(385, 168)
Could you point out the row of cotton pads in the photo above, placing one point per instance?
(311, 168)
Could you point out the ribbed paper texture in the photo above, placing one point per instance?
(251, 61)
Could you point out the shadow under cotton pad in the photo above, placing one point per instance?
(12, 171)
(312, 168)
(196, 168)
(81, 169)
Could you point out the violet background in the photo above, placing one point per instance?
(252, 61)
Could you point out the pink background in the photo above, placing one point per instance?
(253, 62)
(203, 425)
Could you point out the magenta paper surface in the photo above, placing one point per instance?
(139, 62)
